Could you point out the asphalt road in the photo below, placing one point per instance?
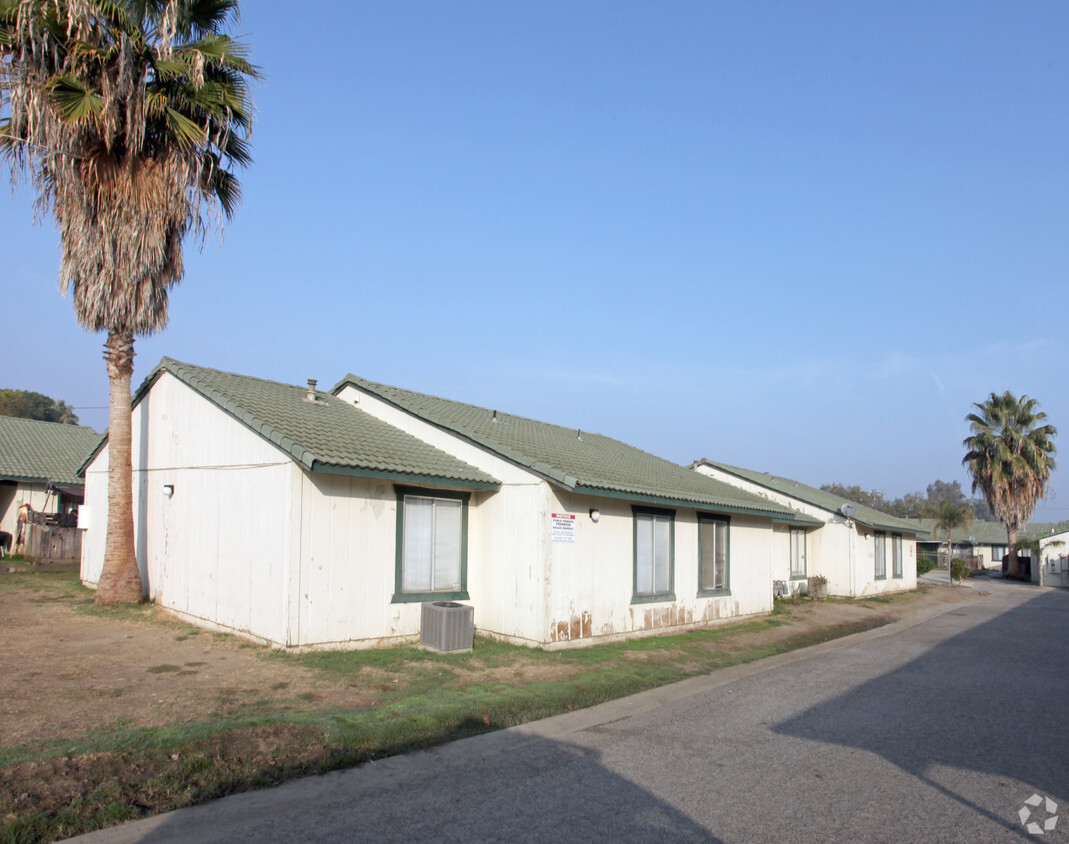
(929, 730)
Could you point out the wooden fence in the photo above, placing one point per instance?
(52, 544)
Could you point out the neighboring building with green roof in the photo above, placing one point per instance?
(861, 551)
(306, 519)
(39, 466)
(981, 543)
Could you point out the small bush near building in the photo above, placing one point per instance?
(924, 564)
(818, 587)
(959, 569)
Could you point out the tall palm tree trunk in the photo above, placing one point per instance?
(120, 580)
(1013, 565)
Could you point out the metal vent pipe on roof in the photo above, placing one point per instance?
(311, 389)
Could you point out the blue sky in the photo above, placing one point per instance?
(798, 237)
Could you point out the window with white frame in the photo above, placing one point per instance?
(798, 553)
(713, 554)
(881, 555)
(431, 545)
(896, 555)
(654, 551)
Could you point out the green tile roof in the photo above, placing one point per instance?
(981, 532)
(1048, 528)
(328, 435)
(817, 497)
(580, 461)
(43, 451)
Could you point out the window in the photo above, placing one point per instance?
(654, 552)
(881, 556)
(432, 545)
(998, 552)
(797, 553)
(896, 555)
(713, 555)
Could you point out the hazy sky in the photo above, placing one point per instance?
(798, 237)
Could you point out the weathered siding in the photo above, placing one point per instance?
(507, 542)
(507, 533)
(346, 562)
(842, 550)
(216, 549)
(348, 553)
(591, 581)
(866, 581)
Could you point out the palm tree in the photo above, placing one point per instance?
(949, 516)
(1010, 455)
(125, 116)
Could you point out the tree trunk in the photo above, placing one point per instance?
(1013, 565)
(120, 581)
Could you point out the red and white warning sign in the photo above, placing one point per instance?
(563, 527)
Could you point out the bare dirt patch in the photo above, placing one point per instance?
(65, 673)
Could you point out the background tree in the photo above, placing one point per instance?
(949, 516)
(1010, 456)
(29, 405)
(870, 498)
(125, 116)
(913, 505)
(940, 490)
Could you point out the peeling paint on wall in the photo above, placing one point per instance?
(579, 626)
(656, 618)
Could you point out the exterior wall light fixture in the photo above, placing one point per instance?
(595, 515)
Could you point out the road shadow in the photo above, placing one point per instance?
(501, 787)
(992, 699)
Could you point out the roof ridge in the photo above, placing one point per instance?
(469, 405)
(751, 476)
(542, 448)
(165, 361)
(64, 425)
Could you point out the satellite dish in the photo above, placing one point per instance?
(848, 509)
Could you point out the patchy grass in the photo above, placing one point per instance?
(70, 784)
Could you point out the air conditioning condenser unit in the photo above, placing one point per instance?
(447, 627)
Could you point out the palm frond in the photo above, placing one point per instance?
(185, 132)
(74, 101)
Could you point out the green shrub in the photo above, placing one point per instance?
(924, 564)
(959, 569)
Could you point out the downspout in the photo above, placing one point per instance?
(853, 538)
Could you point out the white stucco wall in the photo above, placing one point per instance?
(842, 550)
(217, 550)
